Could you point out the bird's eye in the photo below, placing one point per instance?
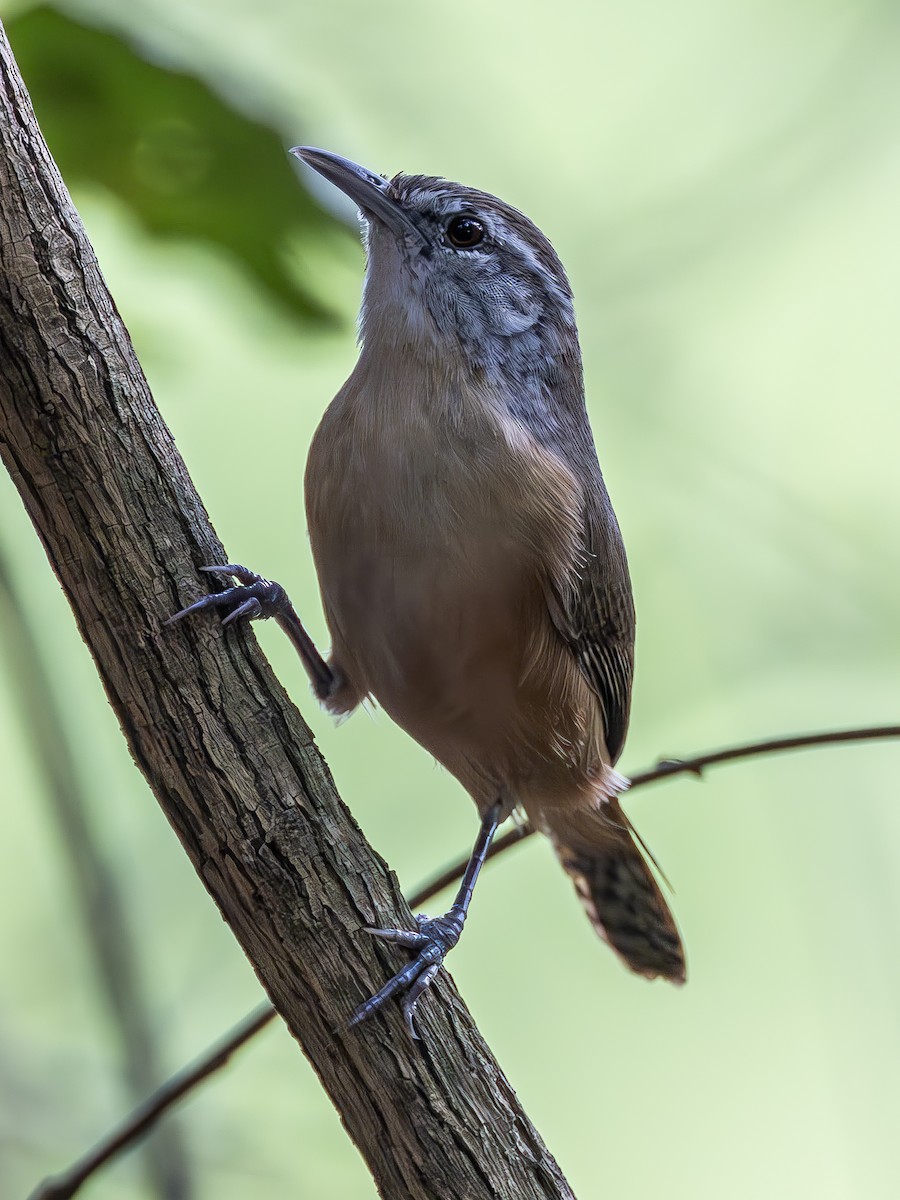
(465, 233)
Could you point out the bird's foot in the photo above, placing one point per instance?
(253, 599)
(434, 939)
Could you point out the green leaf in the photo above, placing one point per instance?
(184, 160)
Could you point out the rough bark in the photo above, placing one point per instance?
(222, 747)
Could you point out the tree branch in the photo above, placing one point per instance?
(219, 742)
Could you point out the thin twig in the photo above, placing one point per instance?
(801, 741)
(63, 1186)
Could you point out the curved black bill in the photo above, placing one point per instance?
(368, 190)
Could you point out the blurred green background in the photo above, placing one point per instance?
(723, 183)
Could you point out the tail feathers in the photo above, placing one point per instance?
(622, 899)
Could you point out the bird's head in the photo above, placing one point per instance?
(455, 271)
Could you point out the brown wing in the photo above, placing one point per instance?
(592, 608)
(596, 618)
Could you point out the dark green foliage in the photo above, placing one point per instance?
(182, 157)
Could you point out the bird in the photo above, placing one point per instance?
(471, 568)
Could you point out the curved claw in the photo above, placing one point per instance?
(414, 995)
(211, 601)
(251, 609)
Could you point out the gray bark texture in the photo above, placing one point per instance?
(222, 747)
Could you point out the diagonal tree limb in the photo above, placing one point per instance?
(221, 746)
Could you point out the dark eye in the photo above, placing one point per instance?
(465, 232)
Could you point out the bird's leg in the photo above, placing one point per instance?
(254, 599)
(435, 937)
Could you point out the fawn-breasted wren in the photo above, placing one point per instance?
(471, 567)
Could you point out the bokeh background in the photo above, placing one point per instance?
(723, 182)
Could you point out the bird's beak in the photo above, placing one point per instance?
(368, 190)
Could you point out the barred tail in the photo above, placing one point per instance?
(621, 897)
